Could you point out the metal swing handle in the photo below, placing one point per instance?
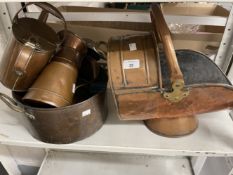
(176, 77)
(46, 9)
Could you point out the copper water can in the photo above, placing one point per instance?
(55, 86)
(32, 43)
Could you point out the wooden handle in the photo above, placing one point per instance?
(163, 33)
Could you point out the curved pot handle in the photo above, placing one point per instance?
(11, 103)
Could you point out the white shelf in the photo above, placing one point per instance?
(214, 136)
(63, 163)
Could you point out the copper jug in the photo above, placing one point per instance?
(55, 86)
(32, 43)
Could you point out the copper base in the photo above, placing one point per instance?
(173, 127)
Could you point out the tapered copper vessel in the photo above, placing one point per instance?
(56, 84)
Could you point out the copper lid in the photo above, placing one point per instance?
(35, 32)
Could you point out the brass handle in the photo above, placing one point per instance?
(12, 104)
(176, 77)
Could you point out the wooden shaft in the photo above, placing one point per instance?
(163, 32)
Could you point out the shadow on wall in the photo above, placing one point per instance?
(2, 40)
(3, 170)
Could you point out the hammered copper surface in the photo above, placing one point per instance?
(68, 124)
(71, 123)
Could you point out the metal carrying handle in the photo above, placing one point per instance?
(162, 31)
(12, 104)
(46, 7)
(49, 9)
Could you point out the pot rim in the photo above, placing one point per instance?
(102, 92)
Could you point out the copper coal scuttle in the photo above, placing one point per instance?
(164, 89)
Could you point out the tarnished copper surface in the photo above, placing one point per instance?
(67, 124)
(173, 127)
(75, 42)
(138, 98)
(32, 43)
(119, 53)
(56, 85)
(202, 99)
(20, 77)
(209, 88)
(148, 105)
(71, 123)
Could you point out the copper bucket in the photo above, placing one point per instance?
(32, 43)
